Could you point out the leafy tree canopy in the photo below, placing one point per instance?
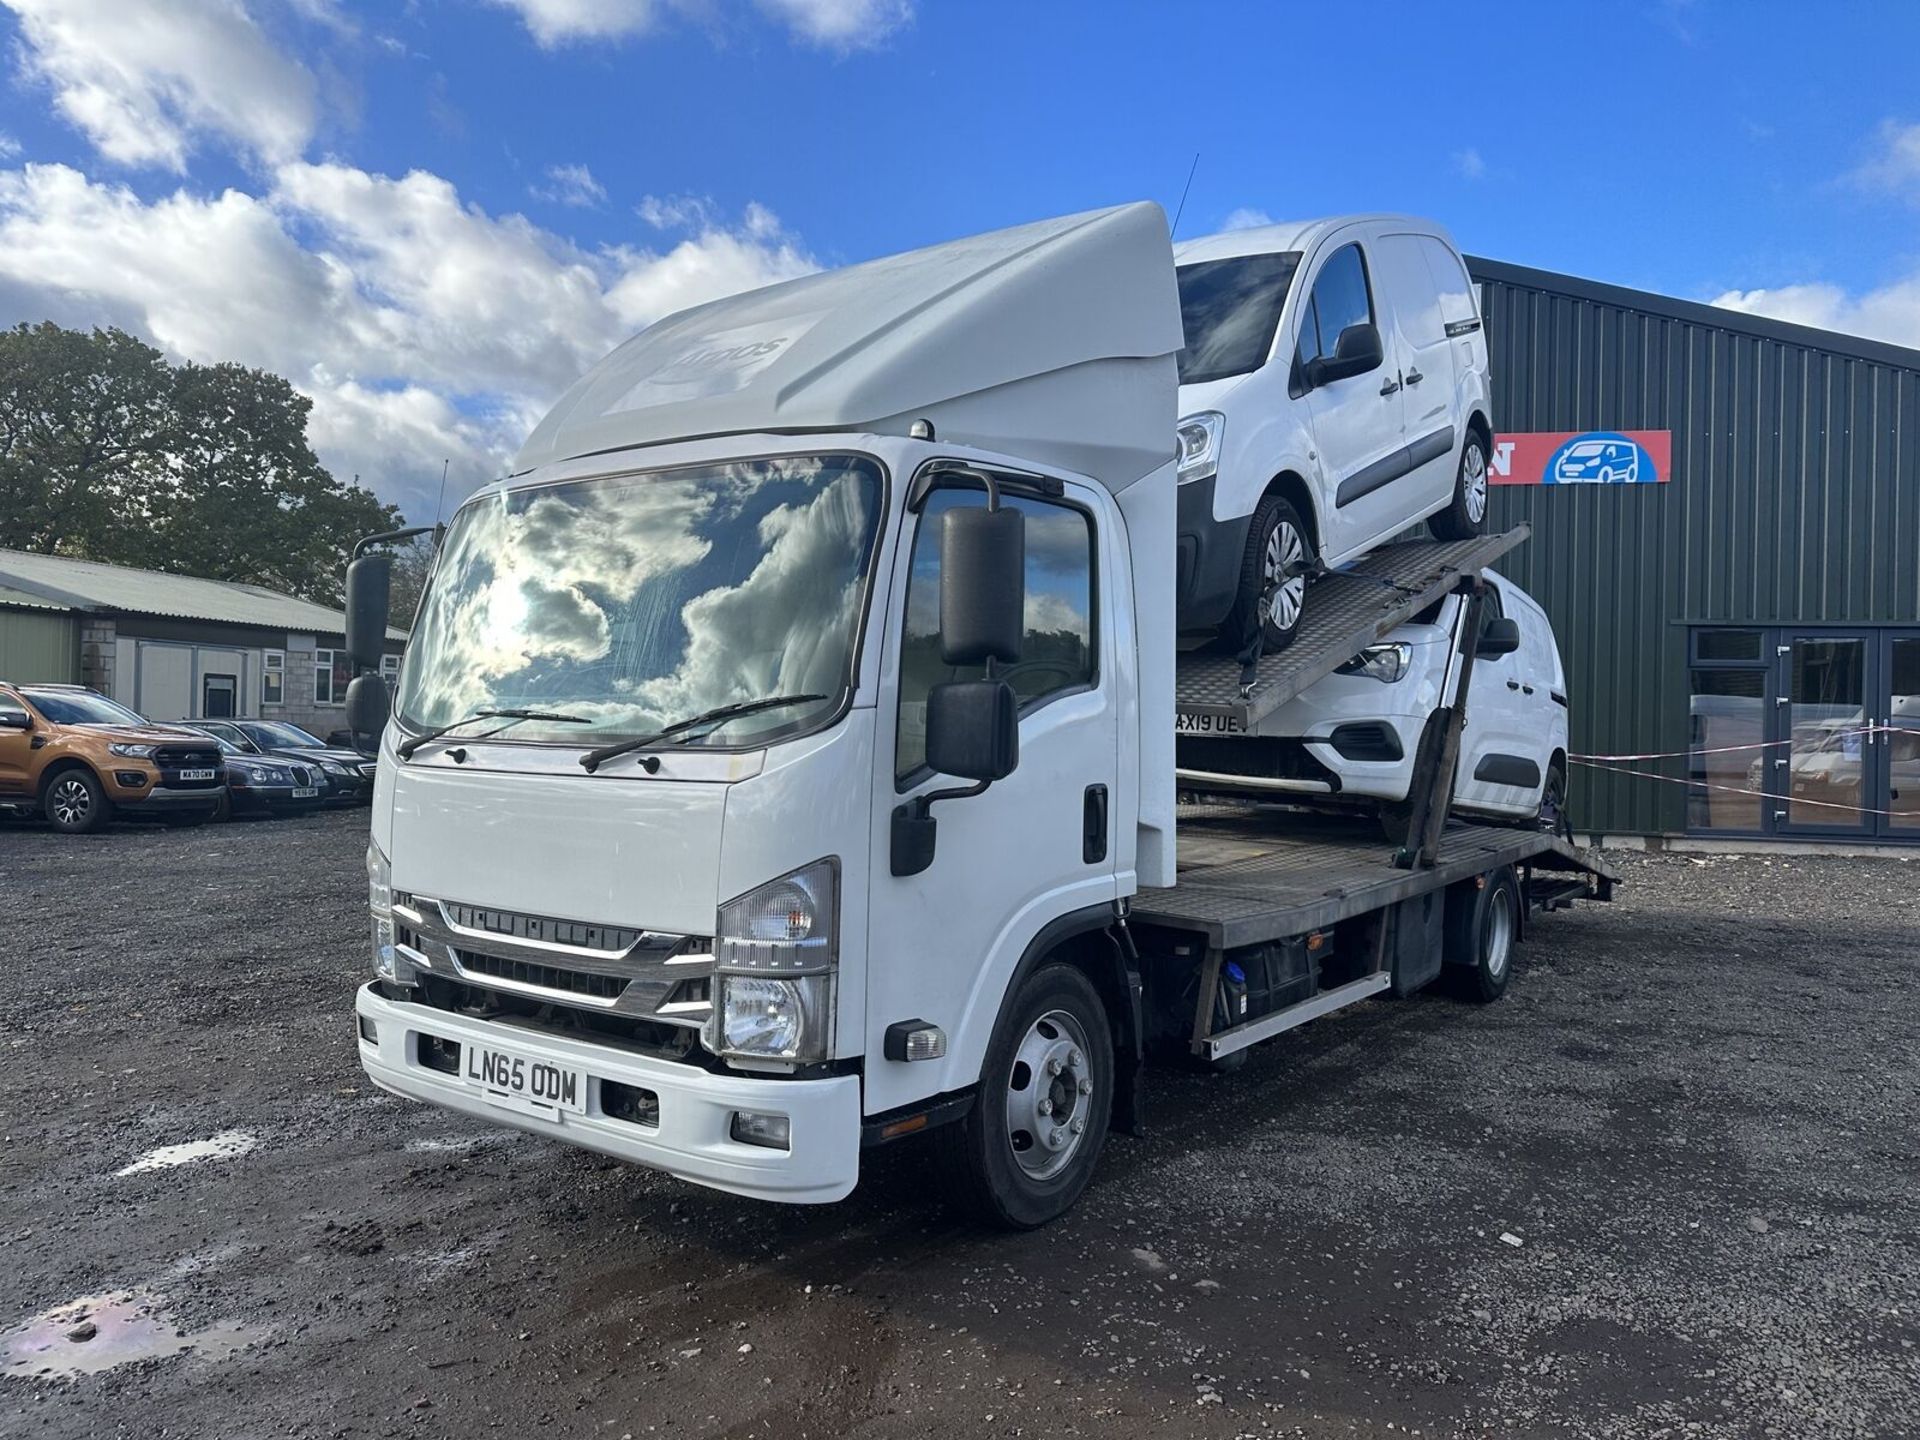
(107, 452)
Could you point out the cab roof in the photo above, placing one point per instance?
(1295, 235)
(1053, 341)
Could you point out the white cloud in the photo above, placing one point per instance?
(143, 79)
(422, 327)
(9, 147)
(1246, 218)
(570, 185)
(1890, 312)
(832, 24)
(1468, 164)
(1894, 165)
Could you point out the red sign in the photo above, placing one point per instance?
(1582, 457)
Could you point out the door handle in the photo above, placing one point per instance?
(1513, 684)
(1389, 387)
(1414, 377)
(1093, 819)
(1526, 689)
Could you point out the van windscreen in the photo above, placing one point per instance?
(1229, 309)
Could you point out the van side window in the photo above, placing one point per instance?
(1058, 654)
(10, 706)
(1340, 298)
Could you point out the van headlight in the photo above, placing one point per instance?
(1380, 662)
(386, 963)
(1199, 439)
(775, 950)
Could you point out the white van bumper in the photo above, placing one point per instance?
(693, 1139)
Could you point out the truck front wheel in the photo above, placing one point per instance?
(1028, 1147)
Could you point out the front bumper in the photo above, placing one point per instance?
(692, 1140)
(273, 800)
(167, 797)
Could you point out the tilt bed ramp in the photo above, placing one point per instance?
(1291, 914)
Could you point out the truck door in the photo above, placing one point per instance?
(943, 944)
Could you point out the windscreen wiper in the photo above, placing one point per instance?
(406, 747)
(594, 759)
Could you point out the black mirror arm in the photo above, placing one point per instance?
(366, 543)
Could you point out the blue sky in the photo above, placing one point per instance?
(430, 214)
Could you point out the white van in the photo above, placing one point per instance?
(1357, 734)
(1333, 391)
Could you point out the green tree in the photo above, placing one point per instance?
(109, 453)
(80, 415)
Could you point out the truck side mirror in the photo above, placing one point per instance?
(15, 720)
(1357, 351)
(1497, 638)
(983, 586)
(369, 592)
(366, 706)
(973, 729)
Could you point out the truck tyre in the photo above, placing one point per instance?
(1277, 560)
(1029, 1145)
(76, 803)
(1466, 514)
(1483, 924)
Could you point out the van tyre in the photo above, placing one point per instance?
(1027, 1149)
(76, 803)
(1273, 578)
(1466, 513)
(1553, 816)
(1483, 926)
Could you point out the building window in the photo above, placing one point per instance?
(273, 677)
(331, 673)
(1730, 645)
(1727, 761)
(1057, 654)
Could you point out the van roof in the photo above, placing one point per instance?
(1053, 341)
(1300, 235)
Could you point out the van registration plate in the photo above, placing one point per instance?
(1185, 724)
(523, 1083)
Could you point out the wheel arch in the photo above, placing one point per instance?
(60, 767)
(1291, 486)
(1479, 424)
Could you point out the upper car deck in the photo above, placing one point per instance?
(1248, 874)
(1347, 610)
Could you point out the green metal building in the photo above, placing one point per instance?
(1751, 618)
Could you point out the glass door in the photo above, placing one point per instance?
(1899, 744)
(1825, 772)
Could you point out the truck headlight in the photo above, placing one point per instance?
(1199, 437)
(1380, 662)
(386, 963)
(775, 951)
(132, 752)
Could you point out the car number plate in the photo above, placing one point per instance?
(196, 774)
(522, 1082)
(305, 792)
(1185, 724)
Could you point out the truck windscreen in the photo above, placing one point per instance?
(1229, 309)
(637, 600)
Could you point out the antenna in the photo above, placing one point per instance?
(440, 505)
(1182, 209)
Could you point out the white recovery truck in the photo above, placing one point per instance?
(783, 761)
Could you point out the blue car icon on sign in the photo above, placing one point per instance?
(1597, 460)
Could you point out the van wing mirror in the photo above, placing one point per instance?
(973, 729)
(366, 706)
(1357, 351)
(983, 580)
(369, 592)
(1497, 638)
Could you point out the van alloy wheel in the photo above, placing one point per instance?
(71, 801)
(1047, 1095)
(1283, 568)
(1473, 481)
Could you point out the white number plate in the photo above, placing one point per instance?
(1184, 724)
(524, 1083)
(305, 792)
(196, 774)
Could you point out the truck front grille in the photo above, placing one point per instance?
(546, 977)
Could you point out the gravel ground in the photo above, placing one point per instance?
(1694, 1113)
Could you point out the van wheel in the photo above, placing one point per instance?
(76, 804)
(1273, 578)
(1466, 514)
(1483, 925)
(1553, 817)
(1026, 1150)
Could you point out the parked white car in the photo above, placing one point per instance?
(1357, 734)
(1333, 391)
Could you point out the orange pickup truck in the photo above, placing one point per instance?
(77, 757)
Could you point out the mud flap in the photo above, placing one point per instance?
(1418, 941)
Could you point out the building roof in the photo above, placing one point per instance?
(1053, 341)
(60, 582)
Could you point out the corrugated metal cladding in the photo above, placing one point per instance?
(39, 645)
(1795, 497)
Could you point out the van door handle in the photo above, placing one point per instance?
(1513, 684)
(1414, 377)
(1093, 819)
(1389, 387)
(1526, 689)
